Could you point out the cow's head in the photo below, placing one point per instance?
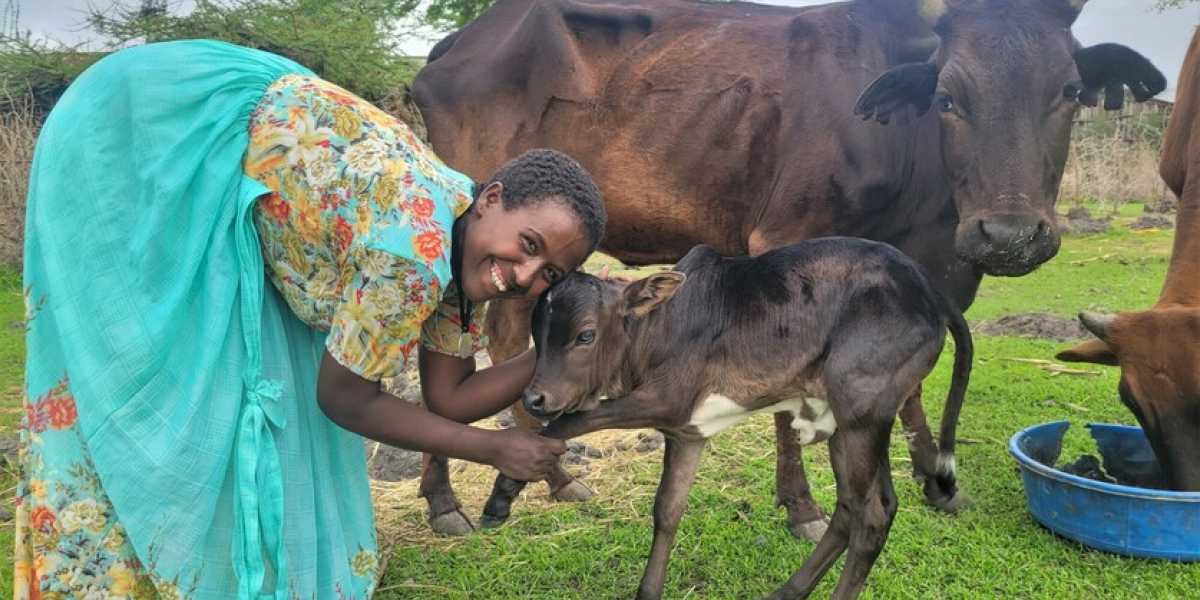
(1006, 80)
(581, 329)
(1158, 351)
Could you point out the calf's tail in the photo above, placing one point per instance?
(964, 356)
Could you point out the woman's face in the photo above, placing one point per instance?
(520, 252)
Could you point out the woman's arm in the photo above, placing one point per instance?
(454, 389)
(361, 406)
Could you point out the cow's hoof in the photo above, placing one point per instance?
(812, 531)
(573, 492)
(455, 523)
(487, 521)
(959, 501)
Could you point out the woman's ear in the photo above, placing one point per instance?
(491, 196)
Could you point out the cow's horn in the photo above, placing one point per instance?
(1096, 323)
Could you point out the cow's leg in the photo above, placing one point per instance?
(445, 513)
(924, 454)
(627, 412)
(681, 460)
(805, 518)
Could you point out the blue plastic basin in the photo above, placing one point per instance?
(1133, 521)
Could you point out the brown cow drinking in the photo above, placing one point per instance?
(836, 333)
(741, 126)
(1158, 349)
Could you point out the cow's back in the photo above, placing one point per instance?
(692, 117)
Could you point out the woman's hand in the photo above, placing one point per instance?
(526, 456)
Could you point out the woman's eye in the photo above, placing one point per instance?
(586, 337)
(945, 102)
(552, 275)
(530, 246)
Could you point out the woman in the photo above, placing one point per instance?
(224, 257)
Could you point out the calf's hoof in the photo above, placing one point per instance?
(573, 492)
(812, 531)
(454, 523)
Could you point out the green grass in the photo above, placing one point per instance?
(732, 543)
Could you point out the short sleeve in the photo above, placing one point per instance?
(443, 329)
(377, 324)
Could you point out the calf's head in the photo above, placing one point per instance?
(1158, 351)
(581, 330)
(1006, 80)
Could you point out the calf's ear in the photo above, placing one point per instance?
(1112, 67)
(897, 87)
(645, 295)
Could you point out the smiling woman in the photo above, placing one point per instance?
(192, 429)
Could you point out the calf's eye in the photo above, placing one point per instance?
(945, 102)
(586, 337)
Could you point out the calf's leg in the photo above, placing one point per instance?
(861, 519)
(872, 502)
(627, 412)
(681, 460)
(508, 326)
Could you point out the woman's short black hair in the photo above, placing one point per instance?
(543, 174)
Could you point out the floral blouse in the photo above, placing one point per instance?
(356, 235)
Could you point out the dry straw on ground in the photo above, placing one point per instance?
(18, 131)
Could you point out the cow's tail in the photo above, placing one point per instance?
(964, 356)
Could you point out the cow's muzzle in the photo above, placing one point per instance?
(1007, 244)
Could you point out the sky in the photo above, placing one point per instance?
(1162, 37)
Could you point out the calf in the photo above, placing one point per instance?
(836, 331)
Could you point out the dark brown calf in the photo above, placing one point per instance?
(835, 332)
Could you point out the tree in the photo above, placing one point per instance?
(1162, 5)
(349, 42)
(452, 14)
(352, 43)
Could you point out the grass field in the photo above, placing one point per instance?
(732, 543)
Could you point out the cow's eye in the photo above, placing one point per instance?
(1071, 91)
(586, 337)
(945, 102)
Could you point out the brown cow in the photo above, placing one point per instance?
(1158, 350)
(835, 333)
(734, 125)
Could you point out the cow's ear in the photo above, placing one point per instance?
(1091, 351)
(645, 295)
(897, 87)
(1112, 67)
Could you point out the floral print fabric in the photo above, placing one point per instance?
(69, 543)
(356, 235)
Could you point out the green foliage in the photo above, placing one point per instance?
(452, 14)
(350, 42)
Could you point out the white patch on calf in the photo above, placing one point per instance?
(717, 413)
(819, 428)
